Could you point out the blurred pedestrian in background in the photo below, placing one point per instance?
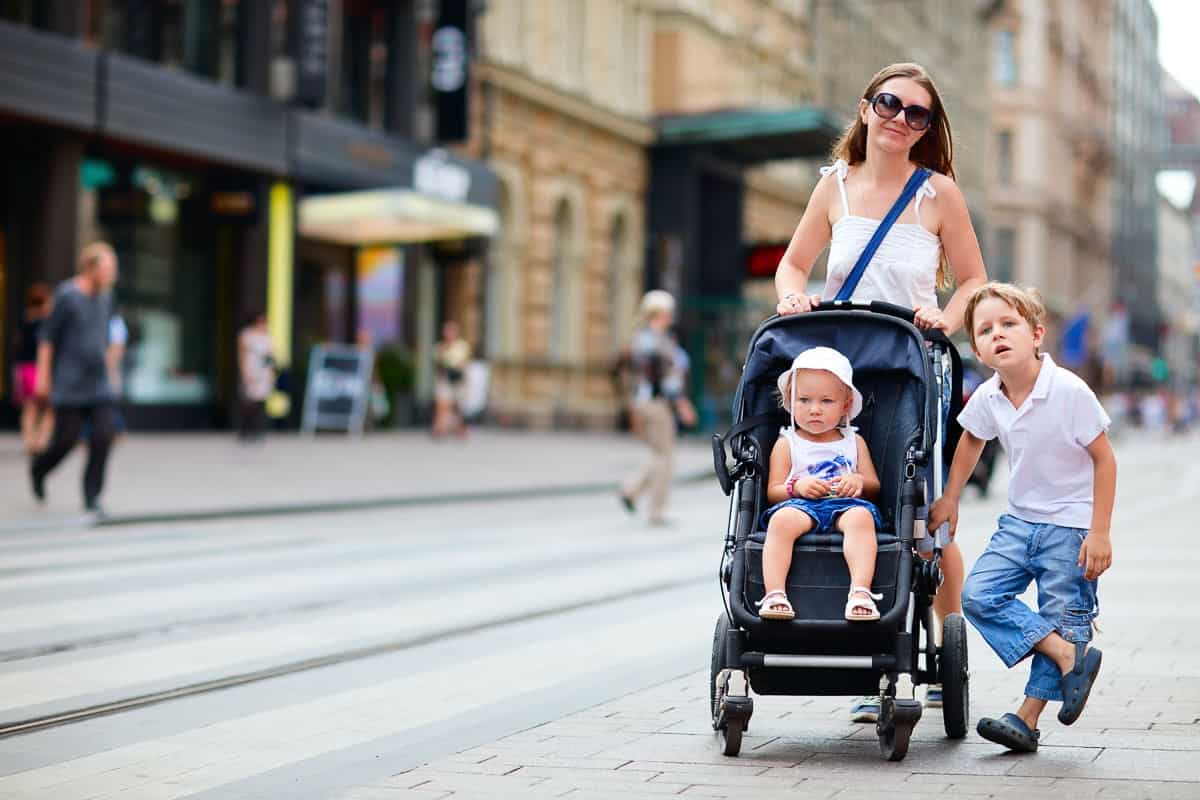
(256, 369)
(37, 419)
(72, 371)
(657, 397)
(450, 371)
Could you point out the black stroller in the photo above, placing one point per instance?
(900, 372)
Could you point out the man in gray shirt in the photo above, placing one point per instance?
(72, 372)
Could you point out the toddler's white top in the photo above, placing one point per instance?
(825, 460)
(1051, 475)
(903, 270)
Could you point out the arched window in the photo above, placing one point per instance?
(500, 272)
(562, 264)
(618, 280)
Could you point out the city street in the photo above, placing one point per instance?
(524, 648)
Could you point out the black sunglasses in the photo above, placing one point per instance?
(888, 105)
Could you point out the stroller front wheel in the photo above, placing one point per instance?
(897, 718)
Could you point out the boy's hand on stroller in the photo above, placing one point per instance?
(796, 303)
(927, 318)
(1095, 555)
(943, 510)
(848, 485)
(812, 488)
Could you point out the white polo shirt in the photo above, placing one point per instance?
(1051, 475)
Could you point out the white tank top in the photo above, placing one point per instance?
(824, 460)
(903, 270)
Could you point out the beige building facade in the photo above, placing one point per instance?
(569, 92)
(853, 39)
(1051, 160)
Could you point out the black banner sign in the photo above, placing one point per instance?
(310, 28)
(449, 72)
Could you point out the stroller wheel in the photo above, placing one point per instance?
(732, 736)
(897, 718)
(955, 677)
(718, 676)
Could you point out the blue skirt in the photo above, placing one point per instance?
(824, 512)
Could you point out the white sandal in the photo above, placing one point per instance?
(853, 603)
(775, 598)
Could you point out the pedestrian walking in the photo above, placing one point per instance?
(72, 371)
(657, 397)
(451, 357)
(256, 372)
(900, 127)
(37, 418)
(1062, 481)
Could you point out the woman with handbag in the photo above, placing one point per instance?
(899, 144)
(451, 357)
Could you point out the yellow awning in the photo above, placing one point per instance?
(392, 216)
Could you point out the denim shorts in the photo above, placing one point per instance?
(825, 512)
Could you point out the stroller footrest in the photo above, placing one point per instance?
(879, 662)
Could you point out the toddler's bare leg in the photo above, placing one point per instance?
(859, 546)
(786, 526)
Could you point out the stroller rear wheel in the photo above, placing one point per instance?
(718, 677)
(952, 668)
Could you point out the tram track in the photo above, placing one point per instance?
(30, 725)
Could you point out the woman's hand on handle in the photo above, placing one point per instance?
(797, 303)
(930, 318)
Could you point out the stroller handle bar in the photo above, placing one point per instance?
(880, 307)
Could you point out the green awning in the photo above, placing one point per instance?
(753, 136)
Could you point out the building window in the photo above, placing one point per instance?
(1004, 157)
(1005, 67)
(498, 277)
(561, 307)
(1003, 266)
(364, 57)
(618, 277)
(172, 250)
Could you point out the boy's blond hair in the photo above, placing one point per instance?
(1026, 302)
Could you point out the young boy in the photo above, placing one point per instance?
(1062, 478)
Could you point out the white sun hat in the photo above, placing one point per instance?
(830, 360)
(657, 301)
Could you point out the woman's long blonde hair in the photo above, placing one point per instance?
(935, 150)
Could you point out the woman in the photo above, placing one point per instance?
(900, 126)
(658, 396)
(37, 419)
(450, 362)
(256, 364)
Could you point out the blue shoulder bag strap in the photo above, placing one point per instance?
(910, 189)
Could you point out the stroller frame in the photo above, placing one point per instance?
(835, 656)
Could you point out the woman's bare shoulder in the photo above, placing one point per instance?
(945, 186)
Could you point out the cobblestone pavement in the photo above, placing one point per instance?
(167, 476)
(1138, 738)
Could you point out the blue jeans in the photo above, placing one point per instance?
(1018, 553)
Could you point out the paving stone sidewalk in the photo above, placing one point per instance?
(179, 476)
(1139, 737)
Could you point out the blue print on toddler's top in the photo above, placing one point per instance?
(831, 468)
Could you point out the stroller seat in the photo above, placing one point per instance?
(820, 652)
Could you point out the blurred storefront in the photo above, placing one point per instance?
(202, 139)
